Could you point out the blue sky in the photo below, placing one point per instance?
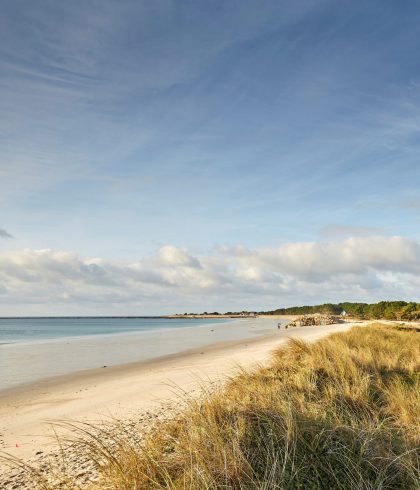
(127, 127)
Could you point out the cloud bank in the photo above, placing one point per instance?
(174, 279)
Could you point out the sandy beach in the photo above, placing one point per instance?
(125, 391)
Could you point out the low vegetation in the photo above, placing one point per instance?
(338, 414)
(389, 310)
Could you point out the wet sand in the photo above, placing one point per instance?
(26, 362)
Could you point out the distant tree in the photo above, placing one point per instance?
(392, 310)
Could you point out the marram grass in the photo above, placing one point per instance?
(342, 413)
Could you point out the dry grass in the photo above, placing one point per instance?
(342, 413)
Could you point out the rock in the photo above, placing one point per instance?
(313, 320)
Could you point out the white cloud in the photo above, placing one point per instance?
(171, 255)
(312, 260)
(173, 279)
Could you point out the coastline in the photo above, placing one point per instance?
(125, 391)
(28, 361)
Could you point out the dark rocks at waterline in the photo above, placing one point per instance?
(314, 320)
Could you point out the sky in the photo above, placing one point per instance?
(174, 156)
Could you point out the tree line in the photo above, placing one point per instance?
(390, 310)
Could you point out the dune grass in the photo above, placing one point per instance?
(342, 413)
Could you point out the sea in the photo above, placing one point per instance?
(14, 330)
(35, 349)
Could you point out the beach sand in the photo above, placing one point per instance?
(127, 391)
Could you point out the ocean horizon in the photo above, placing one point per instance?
(33, 349)
(27, 329)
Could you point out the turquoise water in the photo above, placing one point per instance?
(37, 329)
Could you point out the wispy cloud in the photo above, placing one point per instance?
(186, 124)
(341, 231)
(5, 234)
(413, 204)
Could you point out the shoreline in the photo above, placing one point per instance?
(26, 362)
(115, 334)
(126, 367)
(114, 370)
(125, 391)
